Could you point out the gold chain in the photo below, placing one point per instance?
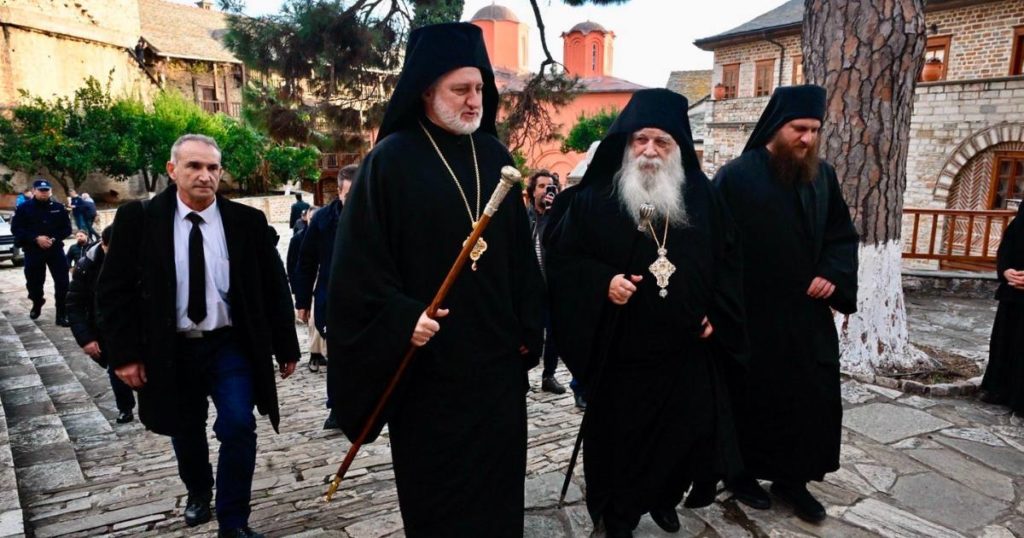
(664, 238)
(473, 220)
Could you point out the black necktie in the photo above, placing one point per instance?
(196, 271)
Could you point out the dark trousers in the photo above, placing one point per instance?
(36, 262)
(550, 353)
(123, 394)
(215, 367)
(85, 225)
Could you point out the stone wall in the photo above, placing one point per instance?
(188, 77)
(69, 42)
(748, 54)
(981, 37)
(276, 207)
(729, 123)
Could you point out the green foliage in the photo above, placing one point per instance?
(287, 164)
(437, 11)
(242, 149)
(589, 129)
(328, 59)
(93, 132)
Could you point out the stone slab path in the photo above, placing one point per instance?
(911, 466)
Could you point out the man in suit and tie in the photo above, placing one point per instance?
(194, 304)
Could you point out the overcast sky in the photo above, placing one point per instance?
(653, 37)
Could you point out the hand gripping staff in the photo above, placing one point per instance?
(646, 214)
(509, 178)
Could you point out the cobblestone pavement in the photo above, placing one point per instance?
(911, 466)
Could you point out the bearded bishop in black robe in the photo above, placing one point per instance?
(800, 254)
(457, 421)
(657, 411)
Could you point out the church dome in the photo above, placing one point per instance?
(587, 27)
(495, 13)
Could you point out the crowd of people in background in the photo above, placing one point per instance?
(691, 368)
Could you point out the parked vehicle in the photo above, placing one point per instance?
(7, 249)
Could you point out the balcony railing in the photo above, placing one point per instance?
(233, 109)
(954, 237)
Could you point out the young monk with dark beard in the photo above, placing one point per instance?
(800, 262)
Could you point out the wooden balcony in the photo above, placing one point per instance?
(956, 238)
(233, 109)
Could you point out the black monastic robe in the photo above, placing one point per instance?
(457, 421)
(657, 415)
(458, 425)
(1004, 375)
(787, 405)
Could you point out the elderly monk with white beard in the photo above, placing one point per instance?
(795, 229)
(457, 421)
(645, 318)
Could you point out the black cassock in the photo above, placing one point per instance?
(659, 417)
(458, 423)
(787, 404)
(1004, 375)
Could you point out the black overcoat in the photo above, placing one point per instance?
(136, 303)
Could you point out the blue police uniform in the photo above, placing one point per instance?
(36, 218)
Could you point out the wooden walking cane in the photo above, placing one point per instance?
(646, 214)
(509, 178)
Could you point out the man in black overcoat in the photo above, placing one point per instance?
(193, 303)
(800, 259)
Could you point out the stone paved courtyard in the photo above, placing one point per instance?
(911, 466)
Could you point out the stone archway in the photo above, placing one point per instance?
(969, 189)
(978, 144)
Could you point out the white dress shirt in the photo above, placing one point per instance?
(218, 277)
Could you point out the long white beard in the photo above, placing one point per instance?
(451, 120)
(661, 187)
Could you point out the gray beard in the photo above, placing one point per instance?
(662, 187)
(451, 121)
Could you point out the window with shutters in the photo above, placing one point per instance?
(798, 70)
(731, 80)
(764, 76)
(1007, 179)
(937, 48)
(1017, 63)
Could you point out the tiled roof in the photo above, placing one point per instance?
(496, 13)
(609, 84)
(508, 81)
(694, 85)
(789, 14)
(586, 27)
(184, 31)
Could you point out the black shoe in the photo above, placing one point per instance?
(331, 423)
(62, 321)
(321, 360)
(314, 365)
(124, 417)
(804, 504)
(550, 384)
(244, 532)
(580, 401)
(37, 308)
(666, 518)
(701, 494)
(197, 509)
(747, 491)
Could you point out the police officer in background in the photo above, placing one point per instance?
(40, 226)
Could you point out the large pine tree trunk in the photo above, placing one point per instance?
(867, 54)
